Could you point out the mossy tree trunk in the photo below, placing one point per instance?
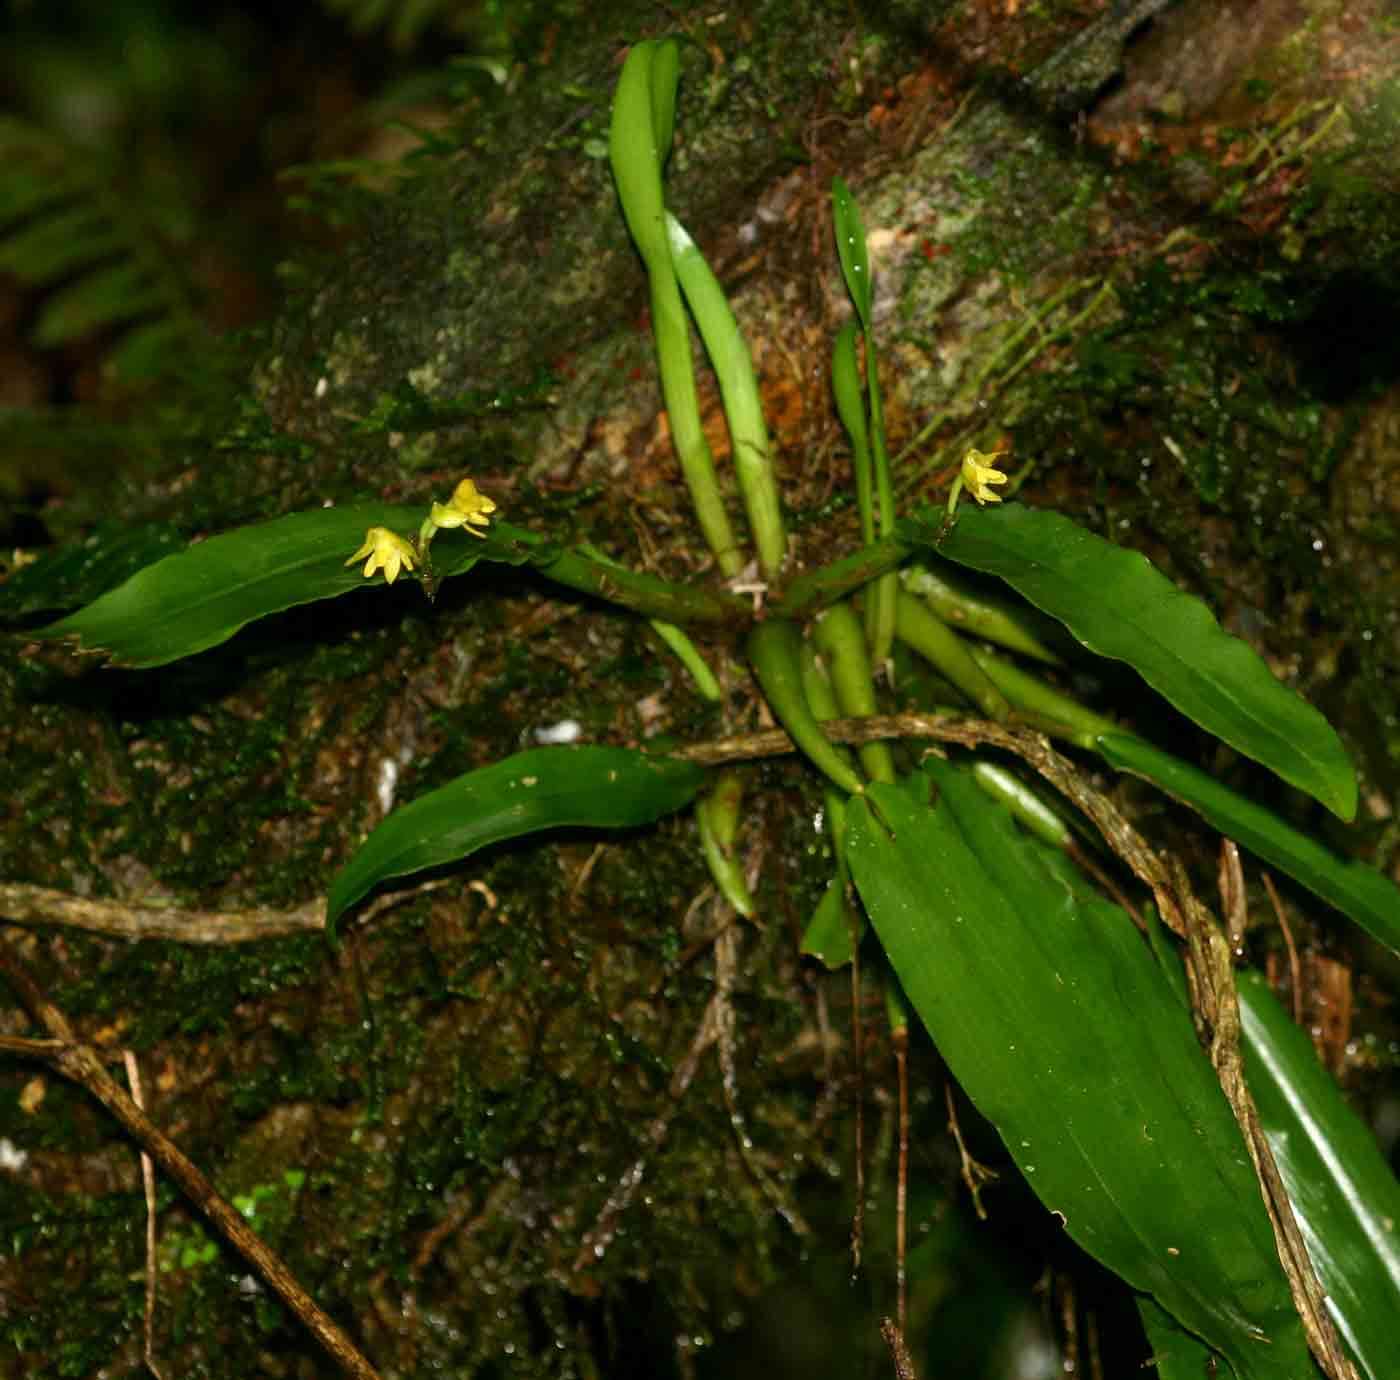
(436, 1123)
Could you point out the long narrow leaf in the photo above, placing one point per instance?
(1358, 891)
(1054, 1015)
(546, 788)
(1119, 605)
(201, 596)
(1345, 1198)
(850, 248)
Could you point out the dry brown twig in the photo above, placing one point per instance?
(148, 1186)
(23, 904)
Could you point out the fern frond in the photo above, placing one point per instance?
(405, 20)
(68, 227)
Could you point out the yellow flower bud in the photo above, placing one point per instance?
(466, 508)
(978, 474)
(387, 551)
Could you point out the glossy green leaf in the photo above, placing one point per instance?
(1358, 891)
(851, 249)
(1119, 605)
(546, 788)
(201, 596)
(79, 572)
(1175, 1354)
(1054, 1015)
(1344, 1195)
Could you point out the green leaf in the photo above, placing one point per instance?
(1358, 891)
(832, 931)
(1054, 1015)
(1345, 1198)
(851, 249)
(203, 595)
(1119, 605)
(74, 574)
(546, 788)
(1176, 1355)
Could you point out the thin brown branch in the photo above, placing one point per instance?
(900, 1039)
(23, 904)
(84, 1065)
(1211, 979)
(900, 1355)
(726, 1042)
(39, 905)
(975, 1174)
(1295, 969)
(148, 1187)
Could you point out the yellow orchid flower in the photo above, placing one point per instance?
(978, 474)
(466, 508)
(387, 551)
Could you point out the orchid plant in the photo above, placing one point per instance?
(1068, 1014)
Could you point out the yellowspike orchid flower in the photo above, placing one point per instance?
(387, 551)
(979, 474)
(467, 507)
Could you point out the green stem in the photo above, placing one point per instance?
(821, 697)
(937, 643)
(880, 608)
(972, 612)
(1023, 803)
(818, 588)
(775, 650)
(850, 407)
(743, 405)
(1037, 704)
(675, 638)
(841, 640)
(688, 654)
(717, 816)
(644, 594)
